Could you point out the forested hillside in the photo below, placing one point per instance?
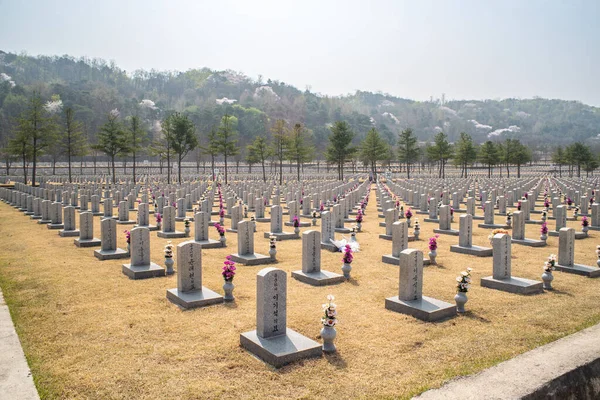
(94, 87)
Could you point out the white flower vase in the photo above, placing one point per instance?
(272, 252)
(460, 299)
(346, 268)
(187, 231)
(408, 222)
(432, 255)
(128, 247)
(359, 226)
(543, 218)
(598, 261)
(159, 225)
(221, 220)
(314, 222)
(547, 278)
(543, 237)
(296, 230)
(416, 233)
(223, 241)
(228, 287)
(328, 334)
(508, 223)
(169, 264)
(585, 229)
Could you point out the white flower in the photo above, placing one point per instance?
(115, 113)
(53, 107)
(469, 269)
(330, 297)
(146, 103)
(459, 279)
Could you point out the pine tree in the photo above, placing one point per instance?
(182, 139)
(279, 144)
(340, 149)
(466, 153)
(259, 151)
(74, 142)
(373, 149)
(112, 140)
(488, 155)
(408, 150)
(227, 140)
(298, 148)
(136, 136)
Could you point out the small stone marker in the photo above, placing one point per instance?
(465, 239)
(410, 299)
(566, 256)
(502, 278)
(272, 341)
(189, 292)
(311, 272)
(86, 231)
(108, 235)
(141, 267)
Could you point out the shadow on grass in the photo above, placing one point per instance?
(230, 304)
(472, 315)
(560, 292)
(336, 360)
(353, 282)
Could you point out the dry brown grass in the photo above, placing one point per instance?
(89, 332)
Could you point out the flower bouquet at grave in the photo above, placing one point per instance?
(495, 232)
(544, 215)
(296, 221)
(348, 257)
(591, 201)
(272, 242)
(508, 217)
(221, 212)
(127, 236)
(220, 229)
(359, 217)
(228, 271)
(575, 212)
(329, 317)
(433, 245)
(169, 250)
(569, 202)
(598, 254)
(401, 212)
(452, 213)
(525, 195)
(408, 214)
(158, 218)
(519, 205)
(546, 203)
(463, 282)
(585, 222)
(322, 207)
(544, 230)
(550, 263)
(186, 223)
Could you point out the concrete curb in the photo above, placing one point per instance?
(15, 377)
(566, 368)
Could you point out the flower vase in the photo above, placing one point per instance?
(296, 230)
(543, 218)
(416, 233)
(543, 237)
(460, 299)
(432, 255)
(408, 222)
(508, 223)
(221, 220)
(585, 229)
(547, 277)
(359, 226)
(187, 231)
(328, 334)
(228, 287)
(128, 247)
(223, 241)
(169, 264)
(158, 226)
(598, 261)
(272, 252)
(314, 222)
(346, 268)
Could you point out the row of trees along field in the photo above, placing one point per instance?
(51, 130)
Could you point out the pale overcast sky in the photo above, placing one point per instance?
(471, 49)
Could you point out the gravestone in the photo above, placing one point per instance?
(189, 292)
(410, 299)
(143, 217)
(273, 341)
(168, 225)
(95, 199)
(276, 226)
(311, 272)
(86, 231)
(502, 278)
(108, 236)
(246, 254)
(391, 216)
(55, 216)
(465, 239)
(236, 216)
(327, 232)
(201, 225)
(399, 242)
(108, 208)
(141, 267)
(519, 232)
(45, 212)
(445, 227)
(123, 214)
(566, 256)
(488, 217)
(69, 223)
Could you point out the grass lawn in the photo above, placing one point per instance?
(90, 332)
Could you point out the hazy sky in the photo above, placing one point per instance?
(414, 49)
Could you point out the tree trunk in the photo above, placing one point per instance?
(133, 167)
(212, 166)
(179, 169)
(114, 175)
(225, 169)
(264, 173)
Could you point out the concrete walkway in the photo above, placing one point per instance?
(15, 378)
(567, 367)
